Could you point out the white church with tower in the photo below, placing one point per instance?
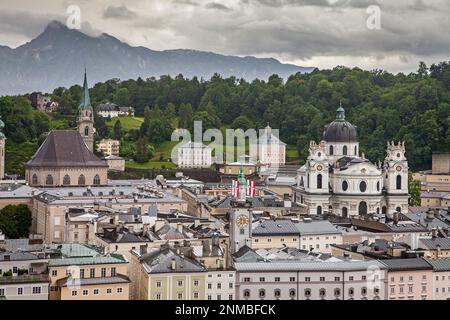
(337, 180)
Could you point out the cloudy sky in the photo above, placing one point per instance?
(322, 33)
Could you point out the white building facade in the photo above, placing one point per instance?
(336, 179)
(288, 280)
(270, 150)
(193, 155)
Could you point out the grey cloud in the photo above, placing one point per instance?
(120, 12)
(24, 23)
(186, 2)
(217, 6)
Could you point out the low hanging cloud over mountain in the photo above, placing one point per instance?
(323, 33)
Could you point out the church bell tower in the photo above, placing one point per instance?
(85, 120)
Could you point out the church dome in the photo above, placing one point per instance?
(340, 130)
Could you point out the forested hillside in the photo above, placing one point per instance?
(414, 108)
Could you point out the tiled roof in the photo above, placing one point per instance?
(440, 264)
(406, 264)
(17, 256)
(275, 227)
(40, 278)
(104, 259)
(316, 227)
(68, 281)
(293, 265)
(161, 261)
(65, 148)
(443, 243)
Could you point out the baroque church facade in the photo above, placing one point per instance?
(66, 157)
(337, 180)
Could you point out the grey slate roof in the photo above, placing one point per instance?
(65, 148)
(161, 262)
(406, 264)
(316, 227)
(69, 281)
(443, 243)
(294, 265)
(103, 259)
(440, 264)
(275, 227)
(18, 256)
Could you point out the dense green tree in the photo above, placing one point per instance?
(143, 151)
(185, 115)
(122, 97)
(242, 122)
(118, 130)
(414, 191)
(15, 221)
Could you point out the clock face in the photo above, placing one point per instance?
(242, 221)
(319, 168)
(399, 168)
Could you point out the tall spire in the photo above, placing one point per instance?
(85, 99)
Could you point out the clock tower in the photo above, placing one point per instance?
(240, 217)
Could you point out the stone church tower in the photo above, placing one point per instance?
(86, 117)
(2, 151)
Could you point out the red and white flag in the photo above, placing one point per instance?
(251, 188)
(235, 188)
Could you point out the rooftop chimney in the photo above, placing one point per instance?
(206, 248)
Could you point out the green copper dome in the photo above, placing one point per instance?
(241, 177)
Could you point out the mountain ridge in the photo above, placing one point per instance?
(58, 56)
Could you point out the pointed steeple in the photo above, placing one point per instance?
(85, 98)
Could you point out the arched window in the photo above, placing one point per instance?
(319, 181)
(34, 180)
(362, 208)
(331, 150)
(322, 293)
(344, 150)
(307, 292)
(398, 209)
(96, 180)
(363, 186)
(399, 182)
(383, 210)
(364, 291)
(262, 293)
(378, 186)
(81, 180)
(86, 131)
(49, 180)
(356, 150)
(345, 185)
(351, 291)
(246, 294)
(277, 293)
(337, 292)
(292, 293)
(301, 182)
(319, 210)
(345, 212)
(66, 180)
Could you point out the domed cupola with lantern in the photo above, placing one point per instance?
(337, 180)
